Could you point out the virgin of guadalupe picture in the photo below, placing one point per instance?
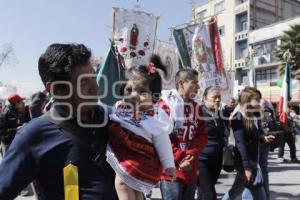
(134, 34)
(201, 53)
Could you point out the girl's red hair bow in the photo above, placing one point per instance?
(151, 69)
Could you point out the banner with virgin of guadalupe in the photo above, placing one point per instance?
(200, 48)
(169, 57)
(134, 33)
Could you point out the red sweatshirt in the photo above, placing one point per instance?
(190, 140)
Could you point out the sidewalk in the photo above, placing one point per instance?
(284, 179)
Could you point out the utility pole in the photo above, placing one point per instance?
(192, 3)
(137, 6)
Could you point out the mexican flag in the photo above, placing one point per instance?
(110, 77)
(284, 98)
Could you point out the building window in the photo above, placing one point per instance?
(265, 52)
(268, 47)
(258, 50)
(244, 26)
(241, 50)
(273, 75)
(261, 75)
(267, 75)
(244, 77)
(219, 7)
(202, 14)
(242, 22)
(244, 51)
(221, 30)
(238, 2)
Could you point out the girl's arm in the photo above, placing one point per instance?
(177, 152)
(163, 147)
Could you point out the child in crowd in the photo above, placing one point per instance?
(188, 138)
(139, 143)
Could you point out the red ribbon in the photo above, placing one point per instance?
(151, 69)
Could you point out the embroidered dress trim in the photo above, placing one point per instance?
(128, 180)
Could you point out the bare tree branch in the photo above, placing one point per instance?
(7, 55)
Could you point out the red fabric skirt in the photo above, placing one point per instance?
(135, 154)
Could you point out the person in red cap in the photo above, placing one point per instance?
(15, 98)
(12, 118)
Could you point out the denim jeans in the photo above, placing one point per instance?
(177, 190)
(263, 162)
(238, 187)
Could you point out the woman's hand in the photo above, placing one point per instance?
(247, 176)
(269, 138)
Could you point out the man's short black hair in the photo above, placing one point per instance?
(59, 61)
(185, 74)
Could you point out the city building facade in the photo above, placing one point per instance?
(263, 43)
(236, 19)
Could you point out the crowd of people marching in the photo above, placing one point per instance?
(71, 146)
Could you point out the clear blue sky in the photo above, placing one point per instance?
(31, 25)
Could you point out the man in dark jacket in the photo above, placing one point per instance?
(290, 139)
(38, 102)
(227, 110)
(48, 153)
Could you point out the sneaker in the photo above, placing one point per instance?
(282, 160)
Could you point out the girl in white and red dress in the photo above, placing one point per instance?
(139, 145)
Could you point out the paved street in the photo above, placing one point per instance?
(284, 179)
